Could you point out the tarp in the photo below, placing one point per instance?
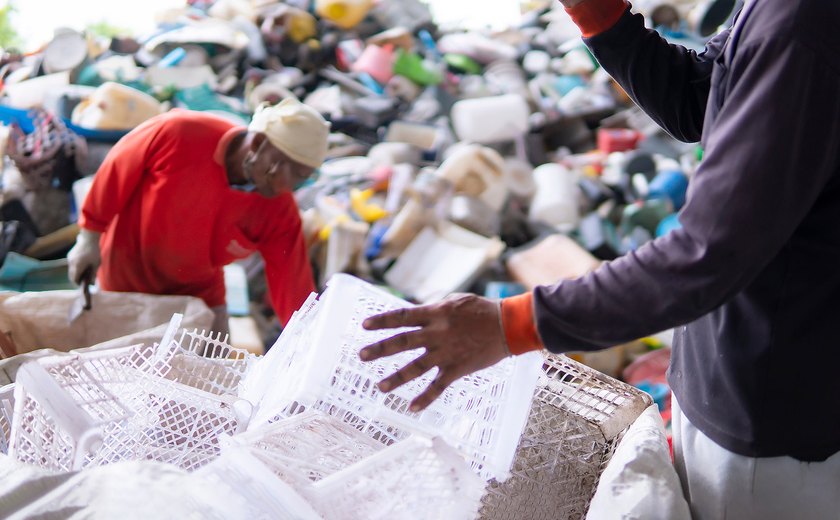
(40, 320)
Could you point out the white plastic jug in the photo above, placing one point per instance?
(490, 119)
(556, 199)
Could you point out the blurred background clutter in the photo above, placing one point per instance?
(475, 146)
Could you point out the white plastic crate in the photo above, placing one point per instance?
(205, 361)
(416, 478)
(482, 415)
(345, 474)
(576, 421)
(307, 447)
(245, 489)
(7, 408)
(96, 408)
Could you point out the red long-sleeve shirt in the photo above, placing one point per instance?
(170, 220)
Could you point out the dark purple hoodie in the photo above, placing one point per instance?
(752, 280)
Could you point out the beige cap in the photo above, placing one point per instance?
(296, 129)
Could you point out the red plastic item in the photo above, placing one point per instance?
(618, 139)
(651, 366)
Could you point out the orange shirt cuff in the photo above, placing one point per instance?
(519, 325)
(596, 16)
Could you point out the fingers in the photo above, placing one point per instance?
(407, 317)
(433, 391)
(394, 345)
(411, 371)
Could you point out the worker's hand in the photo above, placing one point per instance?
(84, 258)
(462, 334)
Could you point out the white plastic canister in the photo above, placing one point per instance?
(556, 199)
(490, 119)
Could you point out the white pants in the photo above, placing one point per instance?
(719, 484)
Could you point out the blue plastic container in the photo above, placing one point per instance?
(668, 224)
(25, 119)
(503, 289)
(671, 184)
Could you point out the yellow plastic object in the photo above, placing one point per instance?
(301, 26)
(326, 231)
(344, 13)
(359, 203)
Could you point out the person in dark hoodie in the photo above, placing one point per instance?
(750, 283)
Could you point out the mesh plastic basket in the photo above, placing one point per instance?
(102, 407)
(576, 421)
(307, 447)
(346, 474)
(204, 361)
(481, 415)
(245, 489)
(426, 479)
(7, 408)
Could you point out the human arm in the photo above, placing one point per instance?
(287, 269)
(113, 185)
(669, 82)
(118, 177)
(767, 164)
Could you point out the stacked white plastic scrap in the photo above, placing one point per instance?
(344, 473)
(7, 407)
(577, 419)
(321, 440)
(377, 459)
(134, 403)
(481, 415)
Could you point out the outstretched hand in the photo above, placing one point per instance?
(462, 334)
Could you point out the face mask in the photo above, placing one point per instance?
(249, 186)
(309, 181)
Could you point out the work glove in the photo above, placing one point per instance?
(84, 258)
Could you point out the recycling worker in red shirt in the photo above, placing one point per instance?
(164, 214)
(750, 282)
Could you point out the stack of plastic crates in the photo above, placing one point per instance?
(134, 403)
(7, 408)
(205, 362)
(317, 357)
(346, 474)
(245, 488)
(576, 421)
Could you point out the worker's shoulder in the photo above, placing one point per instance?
(812, 23)
(179, 120)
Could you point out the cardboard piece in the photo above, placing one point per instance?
(555, 258)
